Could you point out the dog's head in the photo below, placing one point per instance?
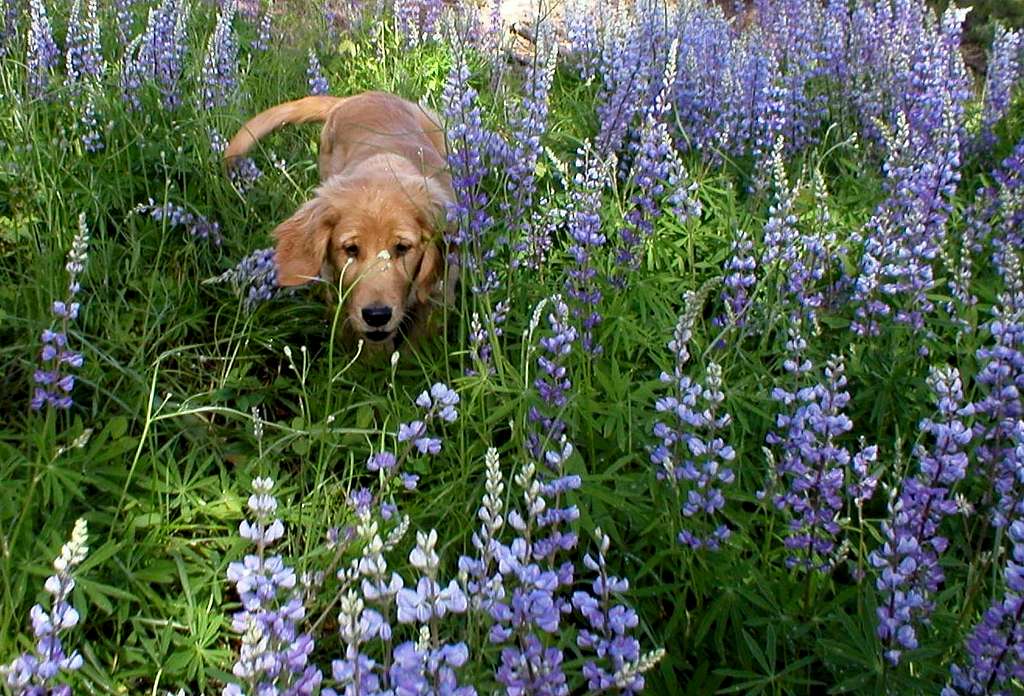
(381, 233)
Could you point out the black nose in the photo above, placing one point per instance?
(377, 316)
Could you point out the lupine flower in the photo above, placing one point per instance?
(810, 460)
(1004, 72)
(158, 55)
(633, 51)
(37, 673)
(481, 338)
(125, 20)
(255, 276)
(262, 41)
(904, 236)
(469, 147)
(582, 30)
(220, 66)
(244, 174)
(92, 138)
(653, 164)
(417, 19)
(996, 645)
(42, 49)
(528, 125)
(8, 25)
(692, 456)
(54, 380)
(533, 249)
(317, 81)
(177, 216)
(608, 634)
(439, 403)
(909, 573)
(998, 412)
(584, 226)
(739, 281)
(83, 57)
(273, 654)
(365, 617)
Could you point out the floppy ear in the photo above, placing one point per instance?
(428, 274)
(432, 214)
(302, 243)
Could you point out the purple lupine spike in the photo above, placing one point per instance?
(9, 16)
(315, 76)
(1004, 72)
(54, 379)
(632, 55)
(157, 55)
(692, 455)
(528, 124)
(908, 567)
(995, 646)
(43, 53)
(811, 461)
(220, 65)
(125, 20)
(262, 41)
(176, 216)
(739, 281)
(92, 138)
(38, 672)
(998, 412)
(481, 338)
(583, 221)
(273, 654)
(83, 59)
(254, 277)
(621, 667)
(471, 149)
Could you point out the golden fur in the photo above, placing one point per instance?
(378, 216)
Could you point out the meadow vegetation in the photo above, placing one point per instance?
(729, 400)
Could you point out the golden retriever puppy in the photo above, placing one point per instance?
(378, 216)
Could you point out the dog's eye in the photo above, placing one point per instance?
(401, 249)
(352, 250)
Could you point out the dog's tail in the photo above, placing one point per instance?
(305, 110)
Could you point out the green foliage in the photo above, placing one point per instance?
(160, 449)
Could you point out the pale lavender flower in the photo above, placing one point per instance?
(37, 673)
(1004, 73)
(692, 455)
(176, 216)
(244, 173)
(315, 76)
(83, 57)
(741, 278)
(274, 655)
(157, 56)
(470, 147)
(9, 15)
(43, 53)
(908, 567)
(999, 409)
(585, 235)
(481, 338)
(54, 379)
(262, 41)
(996, 644)
(811, 461)
(607, 636)
(254, 277)
(219, 79)
(92, 138)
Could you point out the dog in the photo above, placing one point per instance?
(377, 220)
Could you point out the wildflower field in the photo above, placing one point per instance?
(729, 400)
